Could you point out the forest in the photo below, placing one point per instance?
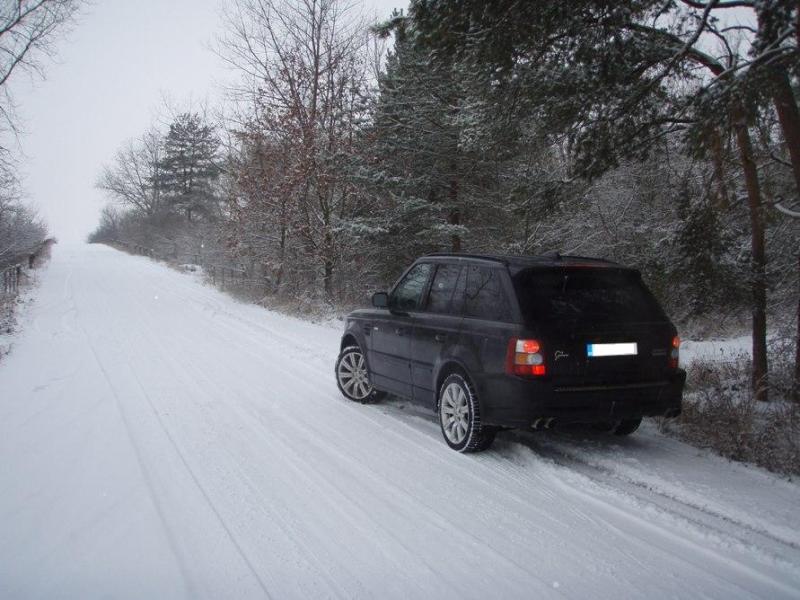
(661, 134)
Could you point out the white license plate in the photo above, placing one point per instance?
(627, 349)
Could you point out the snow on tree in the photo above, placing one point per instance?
(189, 170)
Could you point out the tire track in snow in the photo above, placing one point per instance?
(176, 449)
(613, 489)
(153, 340)
(560, 452)
(143, 468)
(309, 432)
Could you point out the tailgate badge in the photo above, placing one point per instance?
(561, 354)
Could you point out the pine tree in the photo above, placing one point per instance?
(430, 160)
(190, 167)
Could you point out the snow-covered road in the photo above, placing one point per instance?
(160, 440)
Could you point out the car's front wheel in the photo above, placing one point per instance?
(460, 416)
(352, 376)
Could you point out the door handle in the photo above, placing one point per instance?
(440, 337)
(400, 330)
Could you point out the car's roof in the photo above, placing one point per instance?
(551, 259)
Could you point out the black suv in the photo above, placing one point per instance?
(494, 342)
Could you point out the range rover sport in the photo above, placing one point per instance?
(495, 342)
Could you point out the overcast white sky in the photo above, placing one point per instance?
(110, 76)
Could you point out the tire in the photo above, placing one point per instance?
(460, 416)
(352, 377)
(627, 426)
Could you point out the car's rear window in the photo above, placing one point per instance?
(584, 294)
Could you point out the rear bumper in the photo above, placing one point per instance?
(513, 402)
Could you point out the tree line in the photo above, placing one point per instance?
(661, 133)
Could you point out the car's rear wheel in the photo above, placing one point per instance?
(623, 427)
(460, 417)
(627, 426)
(352, 376)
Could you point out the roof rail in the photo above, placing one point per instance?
(488, 257)
(613, 262)
(507, 260)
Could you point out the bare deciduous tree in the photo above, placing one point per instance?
(304, 70)
(134, 177)
(20, 228)
(27, 31)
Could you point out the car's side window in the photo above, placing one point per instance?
(441, 294)
(408, 293)
(458, 295)
(485, 297)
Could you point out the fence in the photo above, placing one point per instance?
(11, 279)
(238, 277)
(14, 269)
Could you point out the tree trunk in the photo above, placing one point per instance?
(281, 259)
(789, 118)
(723, 201)
(797, 342)
(758, 260)
(327, 277)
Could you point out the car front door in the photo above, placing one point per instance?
(390, 349)
(436, 326)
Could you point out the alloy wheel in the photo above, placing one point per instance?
(455, 417)
(353, 376)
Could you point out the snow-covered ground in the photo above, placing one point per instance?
(726, 350)
(160, 440)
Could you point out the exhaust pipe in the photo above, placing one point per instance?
(536, 424)
(549, 422)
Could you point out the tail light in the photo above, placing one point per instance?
(674, 352)
(525, 358)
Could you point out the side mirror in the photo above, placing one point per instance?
(380, 300)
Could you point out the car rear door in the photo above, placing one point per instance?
(390, 347)
(435, 327)
(488, 321)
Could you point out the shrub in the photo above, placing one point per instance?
(720, 413)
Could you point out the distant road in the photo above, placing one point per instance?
(160, 440)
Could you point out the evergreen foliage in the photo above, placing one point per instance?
(189, 171)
